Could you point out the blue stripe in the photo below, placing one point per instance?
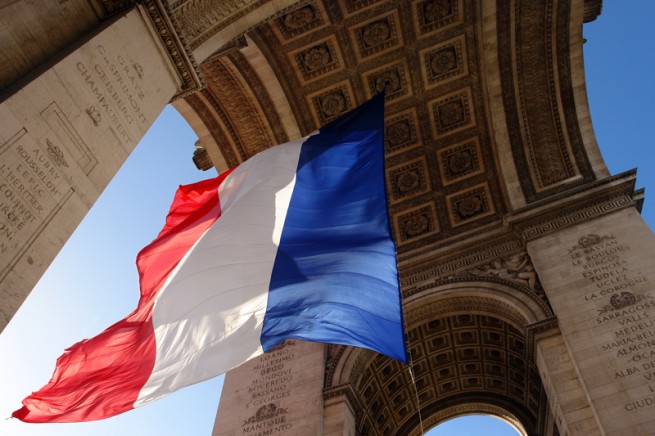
(335, 277)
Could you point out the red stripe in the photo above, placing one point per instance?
(102, 376)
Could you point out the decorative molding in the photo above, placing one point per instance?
(231, 47)
(227, 129)
(240, 110)
(178, 50)
(204, 112)
(261, 95)
(202, 19)
(393, 79)
(376, 36)
(537, 92)
(549, 223)
(541, 218)
(452, 113)
(448, 265)
(537, 296)
(541, 327)
(442, 308)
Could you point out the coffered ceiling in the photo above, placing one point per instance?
(481, 116)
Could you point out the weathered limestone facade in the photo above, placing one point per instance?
(524, 264)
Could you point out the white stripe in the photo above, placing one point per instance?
(208, 317)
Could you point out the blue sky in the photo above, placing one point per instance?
(93, 281)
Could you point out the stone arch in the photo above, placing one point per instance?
(517, 303)
(480, 408)
(490, 151)
(471, 347)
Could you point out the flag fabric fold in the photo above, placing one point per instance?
(293, 243)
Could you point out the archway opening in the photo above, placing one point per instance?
(473, 425)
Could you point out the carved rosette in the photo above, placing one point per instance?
(469, 205)
(401, 132)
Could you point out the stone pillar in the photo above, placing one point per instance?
(598, 276)
(566, 396)
(64, 135)
(338, 414)
(277, 393)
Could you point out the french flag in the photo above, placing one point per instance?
(293, 243)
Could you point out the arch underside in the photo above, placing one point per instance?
(481, 109)
(472, 345)
(488, 144)
(486, 125)
(470, 408)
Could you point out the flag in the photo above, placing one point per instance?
(293, 243)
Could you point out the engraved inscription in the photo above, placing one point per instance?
(623, 304)
(115, 84)
(270, 386)
(31, 186)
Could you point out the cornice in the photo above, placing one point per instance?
(179, 52)
(573, 207)
(592, 9)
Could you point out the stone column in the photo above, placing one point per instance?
(277, 393)
(338, 414)
(566, 396)
(598, 276)
(64, 136)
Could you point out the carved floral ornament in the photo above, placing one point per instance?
(408, 181)
(443, 61)
(469, 207)
(398, 133)
(437, 10)
(460, 161)
(436, 14)
(316, 57)
(388, 81)
(376, 33)
(451, 113)
(416, 224)
(299, 18)
(333, 104)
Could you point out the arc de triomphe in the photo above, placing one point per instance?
(524, 266)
